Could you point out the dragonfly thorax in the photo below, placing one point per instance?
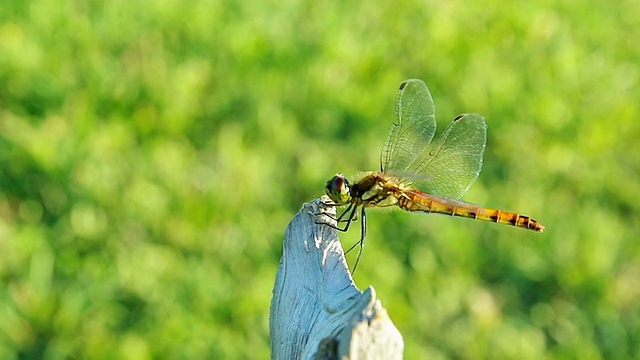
(338, 189)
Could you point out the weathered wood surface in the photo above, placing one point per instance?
(317, 312)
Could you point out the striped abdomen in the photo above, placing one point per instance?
(414, 200)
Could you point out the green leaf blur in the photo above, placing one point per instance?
(153, 152)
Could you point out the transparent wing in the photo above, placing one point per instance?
(413, 128)
(453, 163)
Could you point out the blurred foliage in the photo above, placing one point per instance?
(153, 153)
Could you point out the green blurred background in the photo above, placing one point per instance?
(153, 152)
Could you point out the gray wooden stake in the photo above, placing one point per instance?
(317, 312)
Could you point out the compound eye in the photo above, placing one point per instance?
(338, 189)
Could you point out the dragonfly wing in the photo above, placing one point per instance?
(413, 128)
(453, 163)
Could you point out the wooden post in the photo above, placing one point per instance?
(317, 312)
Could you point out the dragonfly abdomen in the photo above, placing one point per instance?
(419, 201)
(509, 218)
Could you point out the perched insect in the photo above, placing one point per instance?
(418, 177)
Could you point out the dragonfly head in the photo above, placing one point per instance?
(338, 189)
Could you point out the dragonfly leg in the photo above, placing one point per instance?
(363, 235)
(332, 204)
(351, 210)
(327, 204)
(342, 218)
(353, 215)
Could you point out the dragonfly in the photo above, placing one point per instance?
(417, 175)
